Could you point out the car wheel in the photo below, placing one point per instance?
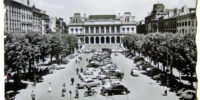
(124, 92)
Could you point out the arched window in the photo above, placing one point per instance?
(92, 40)
(102, 39)
(97, 40)
(107, 40)
(118, 39)
(86, 40)
(112, 39)
(127, 19)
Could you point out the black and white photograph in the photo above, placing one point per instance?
(100, 50)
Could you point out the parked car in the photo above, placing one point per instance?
(87, 80)
(188, 95)
(89, 84)
(134, 73)
(114, 89)
(38, 78)
(10, 95)
(82, 76)
(102, 76)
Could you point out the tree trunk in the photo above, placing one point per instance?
(163, 68)
(191, 78)
(30, 67)
(51, 58)
(171, 70)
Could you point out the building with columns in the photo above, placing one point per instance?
(101, 31)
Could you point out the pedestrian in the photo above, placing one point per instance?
(63, 91)
(76, 61)
(86, 59)
(77, 94)
(33, 95)
(165, 93)
(72, 80)
(63, 84)
(35, 81)
(49, 88)
(81, 70)
(77, 71)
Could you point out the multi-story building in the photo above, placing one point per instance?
(20, 17)
(45, 23)
(186, 23)
(101, 30)
(52, 24)
(57, 25)
(37, 24)
(169, 20)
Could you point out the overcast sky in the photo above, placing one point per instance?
(138, 8)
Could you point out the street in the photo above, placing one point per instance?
(141, 88)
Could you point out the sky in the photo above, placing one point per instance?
(138, 8)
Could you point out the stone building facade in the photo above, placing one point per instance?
(101, 30)
(175, 20)
(21, 17)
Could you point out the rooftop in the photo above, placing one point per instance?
(102, 17)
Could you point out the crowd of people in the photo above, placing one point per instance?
(63, 90)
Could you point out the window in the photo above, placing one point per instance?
(113, 29)
(192, 23)
(118, 29)
(128, 29)
(97, 29)
(86, 29)
(182, 23)
(185, 23)
(92, 29)
(76, 30)
(188, 23)
(127, 19)
(107, 29)
(72, 30)
(102, 29)
(81, 30)
(123, 29)
(132, 29)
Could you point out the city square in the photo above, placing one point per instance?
(53, 52)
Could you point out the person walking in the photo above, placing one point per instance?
(72, 81)
(64, 85)
(33, 95)
(81, 70)
(63, 92)
(49, 88)
(165, 93)
(77, 70)
(77, 94)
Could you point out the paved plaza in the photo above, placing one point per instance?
(141, 88)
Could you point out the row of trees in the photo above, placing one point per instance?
(22, 51)
(172, 50)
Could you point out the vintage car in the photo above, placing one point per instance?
(83, 85)
(115, 88)
(10, 95)
(87, 80)
(188, 95)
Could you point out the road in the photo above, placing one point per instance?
(141, 88)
